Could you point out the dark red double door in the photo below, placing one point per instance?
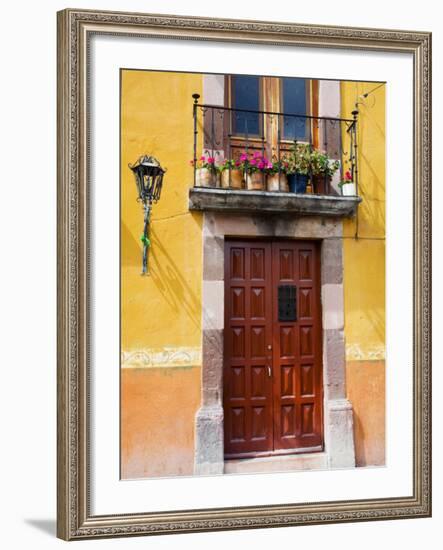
(272, 348)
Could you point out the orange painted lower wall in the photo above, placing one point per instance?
(365, 385)
(158, 407)
(159, 404)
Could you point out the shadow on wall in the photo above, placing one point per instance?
(377, 319)
(359, 438)
(132, 249)
(373, 187)
(164, 273)
(372, 206)
(170, 282)
(371, 319)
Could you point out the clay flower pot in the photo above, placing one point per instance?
(255, 181)
(206, 178)
(274, 183)
(321, 184)
(232, 178)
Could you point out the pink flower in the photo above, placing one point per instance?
(237, 163)
(243, 157)
(269, 165)
(211, 160)
(261, 165)
(203, 158)
(253, 162)
(256, 154)
(348, 175)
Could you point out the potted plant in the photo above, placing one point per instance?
(207, 173)
(232, 174)
(322, 170)
(298, 166)
(347, 185)
(254, 166)
(277, 179)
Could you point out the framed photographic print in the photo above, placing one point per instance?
(244, 274)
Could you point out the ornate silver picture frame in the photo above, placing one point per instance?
(76, 29)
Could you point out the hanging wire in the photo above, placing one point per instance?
(365, 95)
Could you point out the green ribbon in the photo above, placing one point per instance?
(145, 240)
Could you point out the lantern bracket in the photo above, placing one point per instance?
(148, 175)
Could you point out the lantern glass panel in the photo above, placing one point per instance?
(149, 178)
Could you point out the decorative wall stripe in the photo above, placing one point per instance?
(356, 353)
(161, 357)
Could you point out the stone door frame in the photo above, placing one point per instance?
(338, 415)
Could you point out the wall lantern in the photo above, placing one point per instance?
(149, 180)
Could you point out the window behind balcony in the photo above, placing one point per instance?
(294, 101)
(246, 97)
(269, 132)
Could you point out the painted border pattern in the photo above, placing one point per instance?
(74, 29)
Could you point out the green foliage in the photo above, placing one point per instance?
(298, 159)
(304, 159)
(277, 166)
(322, 164)
(229, 164)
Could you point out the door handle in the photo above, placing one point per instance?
(269, 371)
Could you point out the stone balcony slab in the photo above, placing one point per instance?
(257, 202)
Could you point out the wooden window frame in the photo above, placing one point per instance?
(311, 92)
(238, 140)
(270, 99)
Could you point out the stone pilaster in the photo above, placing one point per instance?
(209, 454)
(209, 433)
(339, 430)
(339, 424)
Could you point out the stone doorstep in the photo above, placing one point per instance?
(282, 463)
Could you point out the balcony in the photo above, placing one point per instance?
(263, 162)
(233, 200)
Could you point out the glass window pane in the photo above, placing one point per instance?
(246, 95)
(294, 102)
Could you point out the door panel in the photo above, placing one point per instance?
(248, 330)
(297, 391)
(272, 367)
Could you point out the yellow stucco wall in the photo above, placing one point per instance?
(160, 313)
(364, 276)
(163, 309)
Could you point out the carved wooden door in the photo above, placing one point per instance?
(297, 358)
(248, 333)
(272, 348)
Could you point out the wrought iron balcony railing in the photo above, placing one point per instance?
(328, 146)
